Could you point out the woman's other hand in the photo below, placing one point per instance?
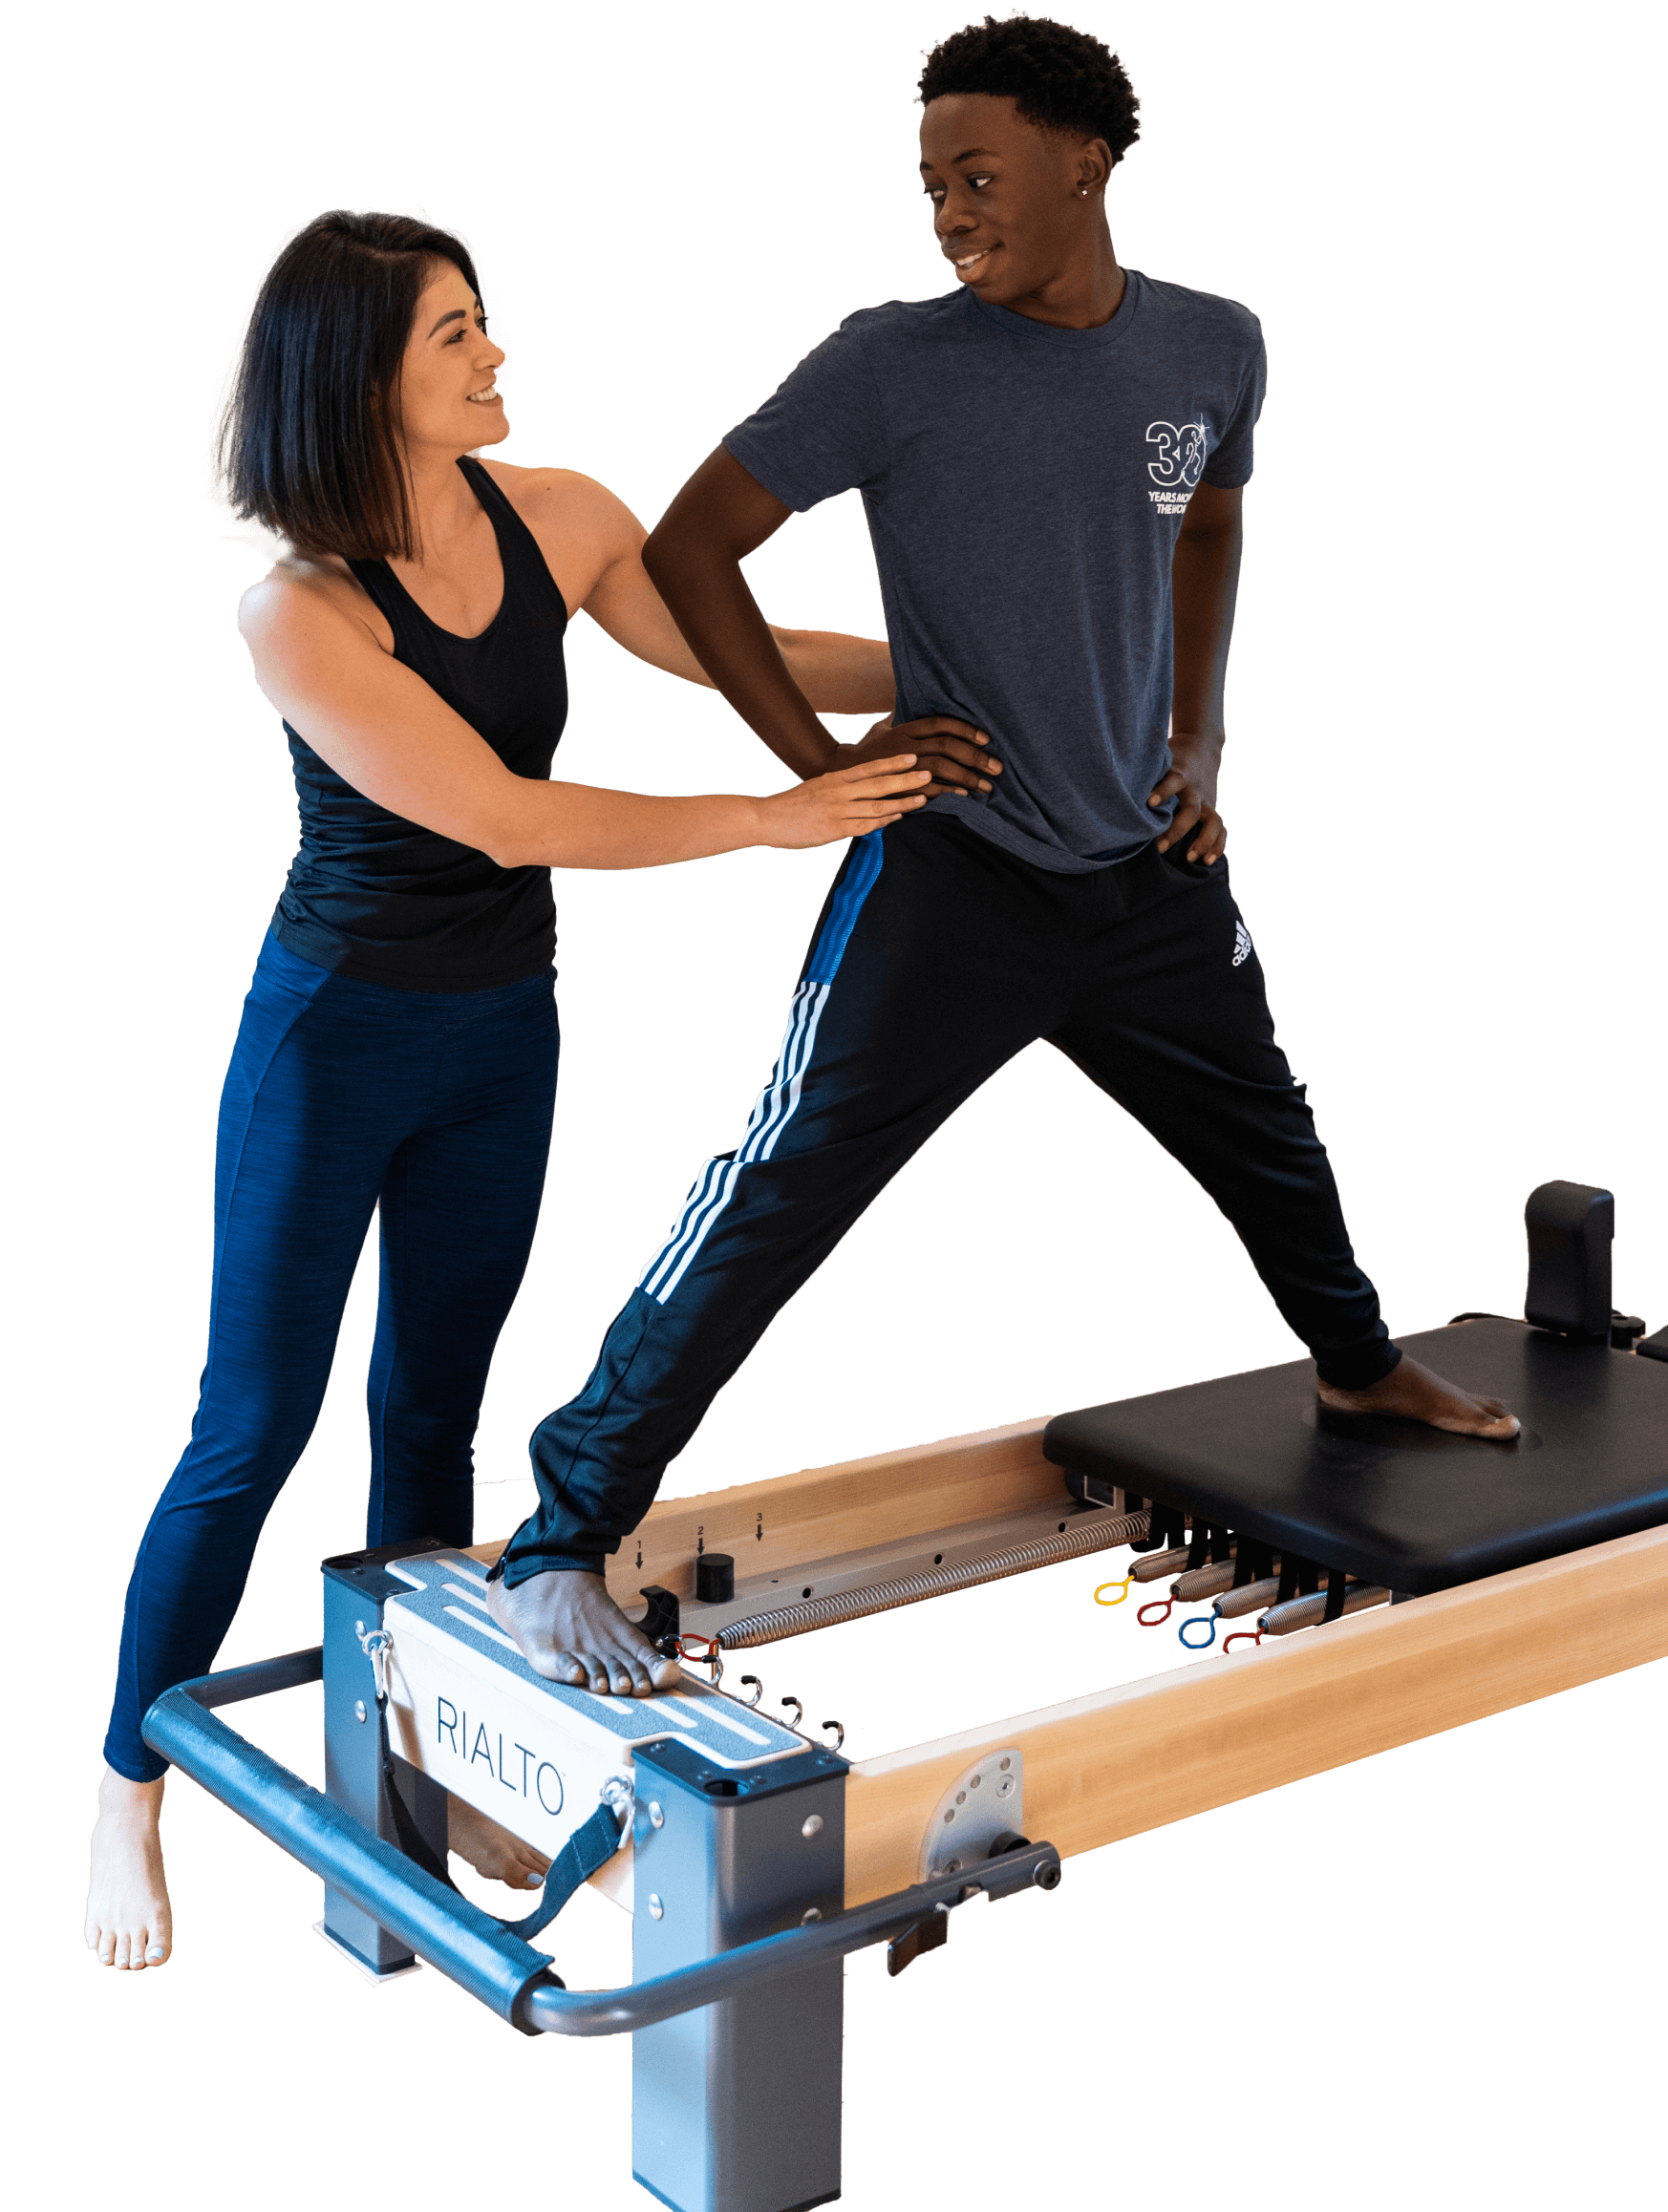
(850, 802)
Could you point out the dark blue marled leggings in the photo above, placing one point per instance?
(343, 1098)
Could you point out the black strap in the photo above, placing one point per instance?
(1300, 1578)
(407, 1833)
(591, 1845)
(1255, 1563)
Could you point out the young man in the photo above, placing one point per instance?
(1052, 458)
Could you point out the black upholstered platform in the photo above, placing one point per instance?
(1391, 1501)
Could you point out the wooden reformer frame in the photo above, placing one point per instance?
(1139, 1755)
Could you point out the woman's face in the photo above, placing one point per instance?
(447, 397)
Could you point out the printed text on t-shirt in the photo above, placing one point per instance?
(1180, 458)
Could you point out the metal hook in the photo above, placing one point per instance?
(798, 1711)
(758, 1687)
(377, 1645)
(618, 1795)
(702, 1649)
(839, 1728)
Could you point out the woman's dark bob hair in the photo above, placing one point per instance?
(307, 445)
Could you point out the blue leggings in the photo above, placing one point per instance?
(343, 1099)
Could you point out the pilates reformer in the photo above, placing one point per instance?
(1440, 1578)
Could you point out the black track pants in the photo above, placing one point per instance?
(937, 958)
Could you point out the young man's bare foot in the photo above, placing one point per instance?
(1416, 1394)
(128, 1920)
(492, 1850)
(570, 1630)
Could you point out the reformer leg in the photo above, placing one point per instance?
(736, 2108)
(356, 1587)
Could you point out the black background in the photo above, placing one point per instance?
(1430, 844)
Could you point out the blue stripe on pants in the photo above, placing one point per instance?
(715, 1185)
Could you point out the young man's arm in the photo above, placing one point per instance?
(695, 556)
(1203, 581)
(593, 545)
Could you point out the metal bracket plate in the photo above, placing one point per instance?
(984, 1801)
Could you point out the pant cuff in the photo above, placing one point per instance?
(142, 1766)
(1360, 1366)
(522, 1568)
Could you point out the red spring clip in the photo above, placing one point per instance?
(1242, 1636)
(701, 1658)
(1159, 1609)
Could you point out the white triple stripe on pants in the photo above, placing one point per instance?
(776, 1107)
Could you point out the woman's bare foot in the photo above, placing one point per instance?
(492, 1850)
(128, 1920)
(570, 1630)
(1415, 1395)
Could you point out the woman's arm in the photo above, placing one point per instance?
(382, 728)
(593, 545)
(839, 674)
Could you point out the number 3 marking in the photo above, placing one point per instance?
(1181, 453)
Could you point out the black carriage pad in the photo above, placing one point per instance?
(1390, 1500)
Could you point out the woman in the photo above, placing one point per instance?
(397, 1050)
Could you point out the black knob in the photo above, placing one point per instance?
(714, 1579)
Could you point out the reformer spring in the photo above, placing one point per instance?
(1219, 1558)
(1096, 1532)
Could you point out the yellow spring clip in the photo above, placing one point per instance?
(1122, 1589)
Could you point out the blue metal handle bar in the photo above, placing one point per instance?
(466, 1944)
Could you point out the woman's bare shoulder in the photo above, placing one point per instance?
(303, 593)
(581, 529)
(562, 499)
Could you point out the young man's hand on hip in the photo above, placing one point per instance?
(1191, 782)
(957, 753)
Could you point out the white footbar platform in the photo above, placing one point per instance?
(465, 1707)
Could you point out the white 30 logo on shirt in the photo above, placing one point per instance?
(1181, 453)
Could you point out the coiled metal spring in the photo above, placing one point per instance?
(1096, 1532)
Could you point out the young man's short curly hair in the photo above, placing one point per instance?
(1059, 78)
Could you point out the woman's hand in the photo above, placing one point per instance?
(958, 755)
(848, 803)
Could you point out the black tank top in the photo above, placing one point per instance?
(376, 897)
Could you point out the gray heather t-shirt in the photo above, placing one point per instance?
(1024, 486)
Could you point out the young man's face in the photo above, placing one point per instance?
(1008, 199)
